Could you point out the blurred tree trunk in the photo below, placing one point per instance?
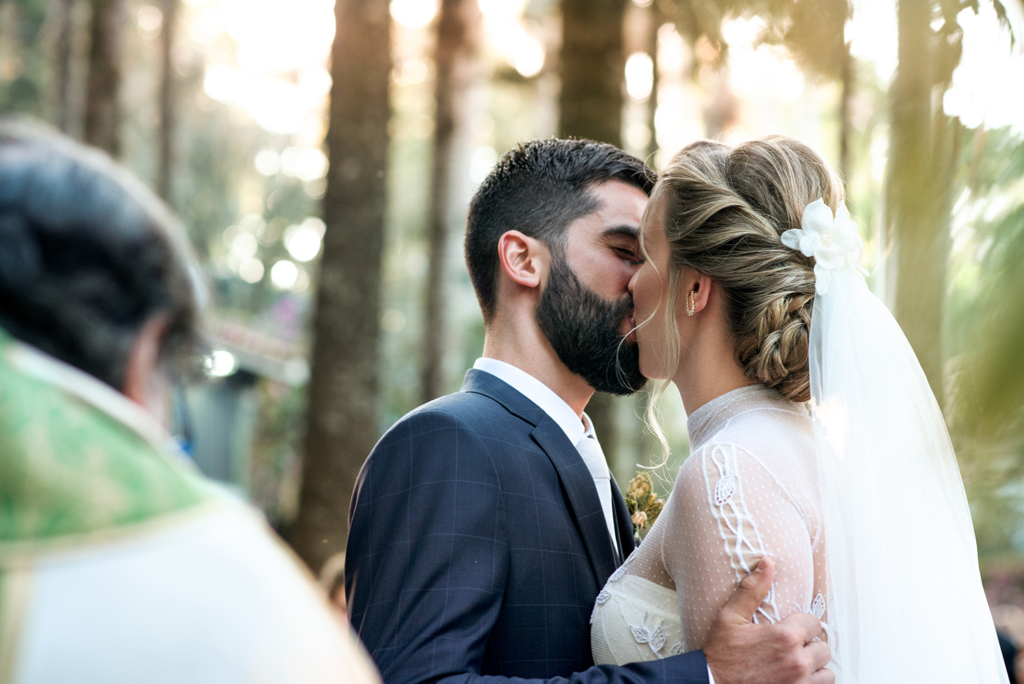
(721, 112)
(924, 148)
(343, 390)
(909, 198)
(655, 19)
(103, 88)
(165, 136)
(65, 54)
(590, 106)
(846, 85)
(592, 71)
(456, 45)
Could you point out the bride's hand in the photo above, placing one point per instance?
(739, 651)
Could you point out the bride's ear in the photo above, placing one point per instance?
(524, 259)
(697, 292)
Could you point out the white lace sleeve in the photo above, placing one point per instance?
(729, 508)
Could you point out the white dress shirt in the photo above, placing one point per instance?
(580, 432)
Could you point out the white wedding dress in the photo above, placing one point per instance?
(868, 459)
(749, 489)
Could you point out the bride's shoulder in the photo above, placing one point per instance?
(774, 444)
(770, 433)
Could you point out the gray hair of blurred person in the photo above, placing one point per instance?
(88, 255)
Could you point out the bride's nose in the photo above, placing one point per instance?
(632, 281)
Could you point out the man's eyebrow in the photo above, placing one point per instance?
(631, 232)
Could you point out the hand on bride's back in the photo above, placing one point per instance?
(739, 651)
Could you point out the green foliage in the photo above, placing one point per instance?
(811, 29)
(815, 35)
(987, 320)
(275, 466)
(695, 19)
(985, 326)
(24, 72)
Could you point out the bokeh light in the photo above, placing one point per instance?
(284, 274)
(220, 364)
(304, 164)
(303, 241)
(275, 36)
(149, 18)
(639, 75)
(251, 271)
(268, 162)
(245, 245)
(481, 162)
(413, 13)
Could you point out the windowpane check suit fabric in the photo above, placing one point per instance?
(477, 546)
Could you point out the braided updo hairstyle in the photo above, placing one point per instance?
(725, 209)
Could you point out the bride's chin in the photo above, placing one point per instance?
(650, 368)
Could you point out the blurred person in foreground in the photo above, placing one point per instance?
(484, 524)
(118, 561)
(332, 581)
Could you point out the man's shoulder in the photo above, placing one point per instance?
(434, 440)
(470, 411)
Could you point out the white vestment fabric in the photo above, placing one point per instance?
(211, 598)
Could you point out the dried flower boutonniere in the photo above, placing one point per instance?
(643, 504)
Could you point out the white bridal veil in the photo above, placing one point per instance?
(906, 602)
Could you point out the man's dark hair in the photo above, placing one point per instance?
(539, 188)
(87, 256)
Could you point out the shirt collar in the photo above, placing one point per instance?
(541, 395)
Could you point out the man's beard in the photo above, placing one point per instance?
(584, 329)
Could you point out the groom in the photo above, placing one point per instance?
(484, 524)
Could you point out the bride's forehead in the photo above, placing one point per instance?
(652, 226)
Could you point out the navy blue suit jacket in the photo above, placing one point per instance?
(477, 545)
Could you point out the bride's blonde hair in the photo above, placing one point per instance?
(724, 210)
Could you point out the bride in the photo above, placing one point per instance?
(814, 437)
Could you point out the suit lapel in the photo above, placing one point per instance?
(582, 495)
(579, 487)
(623, 523)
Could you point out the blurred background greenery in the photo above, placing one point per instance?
(327, 213)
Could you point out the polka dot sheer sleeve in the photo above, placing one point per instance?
(729, 508)
(749, 489)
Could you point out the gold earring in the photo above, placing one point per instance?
(691, 303)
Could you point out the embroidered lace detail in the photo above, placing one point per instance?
(643, 635)
(818, 606)
(617, 575)
(737, 527)
(725, 489)
(677, 649)
(604, 596)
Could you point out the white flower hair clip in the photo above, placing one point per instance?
(833, 241)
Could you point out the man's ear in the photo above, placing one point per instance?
(525, 260)
(143, 359)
